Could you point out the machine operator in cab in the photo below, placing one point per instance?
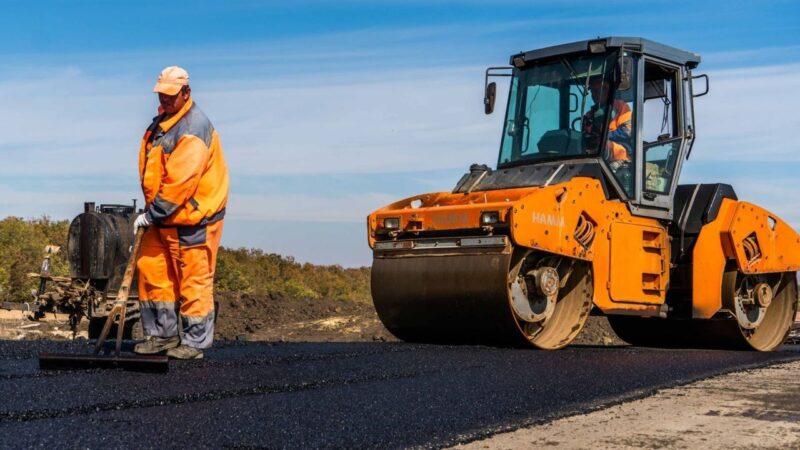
(619, 146)
(185, 184)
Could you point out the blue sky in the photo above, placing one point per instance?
(330, 110)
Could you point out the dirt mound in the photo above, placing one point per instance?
(277, 318)
(597, 331)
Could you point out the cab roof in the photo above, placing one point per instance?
(636, 44)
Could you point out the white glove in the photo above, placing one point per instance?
(140, 221)
(616, 165)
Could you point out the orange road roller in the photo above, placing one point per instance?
(584, 212)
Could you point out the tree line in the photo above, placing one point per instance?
(242, 270)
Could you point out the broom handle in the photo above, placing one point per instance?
(121, 301)
(125, 287)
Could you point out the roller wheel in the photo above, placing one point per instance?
(558, 323)
(764, 307)
(762, 310)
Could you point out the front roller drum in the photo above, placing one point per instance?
(488, 295)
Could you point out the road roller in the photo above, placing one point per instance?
(583, 214)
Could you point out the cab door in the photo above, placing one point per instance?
(663, 137)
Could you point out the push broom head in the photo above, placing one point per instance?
(138, 363)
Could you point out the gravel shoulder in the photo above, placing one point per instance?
(757, 408)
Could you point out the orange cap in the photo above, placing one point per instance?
(171, 80)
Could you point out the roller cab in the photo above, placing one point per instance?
(584, 210)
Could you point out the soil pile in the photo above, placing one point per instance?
(597, 331)
(278, 318)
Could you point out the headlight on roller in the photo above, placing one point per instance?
(391, 223)
(490, 217)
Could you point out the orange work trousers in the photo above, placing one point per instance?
(176, 277)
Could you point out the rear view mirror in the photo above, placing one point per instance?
(625, 73)
(705, 77)
(489, 97)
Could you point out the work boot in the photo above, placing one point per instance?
(185, 352)
(154, 344)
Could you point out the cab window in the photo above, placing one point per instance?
(661, 130)
(619, 152)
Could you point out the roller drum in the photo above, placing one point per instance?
(451, 297)
(444, 292)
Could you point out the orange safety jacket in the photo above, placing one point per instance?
(619, 128)
(182, 169)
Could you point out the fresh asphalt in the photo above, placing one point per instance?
(331, 395)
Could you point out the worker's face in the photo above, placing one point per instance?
(171, 104)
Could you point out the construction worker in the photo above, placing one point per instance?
(185, 184)
(618, 148)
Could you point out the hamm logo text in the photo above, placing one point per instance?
(551, 220)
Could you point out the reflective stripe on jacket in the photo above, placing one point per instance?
(619, 131)
(620, 116)
(182, 169)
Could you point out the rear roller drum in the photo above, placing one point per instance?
(762, 309)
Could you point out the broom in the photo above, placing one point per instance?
(141, 363)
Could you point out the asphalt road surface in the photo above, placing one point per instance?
(323, 395)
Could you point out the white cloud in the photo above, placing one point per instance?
(412, 124)
(750, 115)
(63, 203)
(70, 123)
(74, 123)
(305, 207)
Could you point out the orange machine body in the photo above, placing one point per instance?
(630, 255)
(757, 240)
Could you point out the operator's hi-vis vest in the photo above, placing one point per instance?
(620, 118)
(182, 169)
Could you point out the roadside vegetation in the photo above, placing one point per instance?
(242, 271)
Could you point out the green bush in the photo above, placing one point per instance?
(22, 244)
(256, 272)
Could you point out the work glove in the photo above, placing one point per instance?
(617, 165)
(141, 221)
